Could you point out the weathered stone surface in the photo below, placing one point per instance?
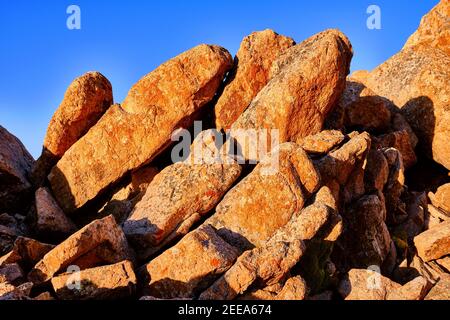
(366, 239)
(361, 284)
(184, 190)
(189, 267)
(441, 199)
(85, 101)
(376, 173)
(267, 198)
(295, 288)
(102, 283)
(10, 273)
(441, 291)
(250, 74)
(100, 242)
(434, 243)
(416, 80)
(413, 290)
(401, 141)
(438, 214)
(395, 187)
(15, 168)
(307, 80)
(11, 227)
(10, 292)
(133, 134)
(27, 252)
(323, 142)
(434, 29)
(50, 219)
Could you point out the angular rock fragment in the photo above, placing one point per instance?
(395, 187)
(85, 101)
(101, 242)
(441, 199)
(401, 141)
(434, 243)
(323, 142)
(11, 227)
(295, 288)
(181, 193)
(307, 80)
(50, 219)
(413, 290)
(189, 267)
(15, 168)
(10, 292)
(133, 134)
(102, 283)
(361, 284)
(441, 291)
(26, 252)
(250, 74)
(267, 198)
(376, 172)
(10, 273)
(434, 29)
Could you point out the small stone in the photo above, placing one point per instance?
(441, 291)
(26, 252)
(323, 142)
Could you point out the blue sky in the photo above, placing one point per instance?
(124, 40)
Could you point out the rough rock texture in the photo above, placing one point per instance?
(434, 29)
(11, 227)
(361, 284)
(50, 219)
(441, 199)
(415, 80)
(15, 168)
(102, 283)
(401, 141)
(441, 291)
(27, 252)
(190, 266)
(323, 142)
(250, 74)
(413, 290)
(434, 243)
(307, 80)
(182, 193)
(11, 273)
(267, 198)
(100, 242)
(133, 134)
(85, 101)
(10, 292)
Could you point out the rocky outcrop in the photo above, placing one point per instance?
(135, 132)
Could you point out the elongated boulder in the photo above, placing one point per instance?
(15, 169)
(250, 74)
(101, 242)
(192, 265)
(131, 135)
(84, 103)
(26, 252)
(434, 29)
(267, 198)
(182, 193)
(416, 80)
(441, 199)
(102, 283)
(307, 80)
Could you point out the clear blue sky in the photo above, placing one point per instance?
(124, 40)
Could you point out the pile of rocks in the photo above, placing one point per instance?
(358, 206)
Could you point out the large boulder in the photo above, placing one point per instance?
(15, 169)
(133, 134)
(307, 80)
(250, 74)
(84, 103)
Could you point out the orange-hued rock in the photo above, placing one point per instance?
(267, 198)
(434, 243)
(184, 190)
(100, 242)
(416, 80)
(133, 134)
(102, 283)
(434, 29)
(26, 252)
(323, 142)
(15, 169)
(307, 80)
(190, 266)
(441, 199)
(250, 74)
(401, 141)
(361, 284)
(414, 290)
(441, 291)
(50, 219)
